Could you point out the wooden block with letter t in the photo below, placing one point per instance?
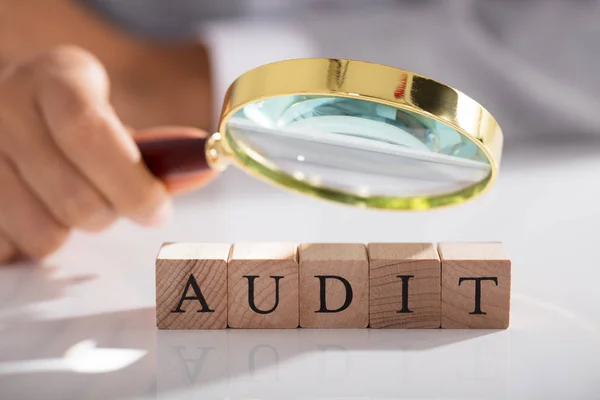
(191, 286)
(405, 285)
(476, 280)
(263, 286)
(334, 285)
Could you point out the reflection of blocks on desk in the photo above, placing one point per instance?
(476, 281)
(191, 286)
(187, 358)
(263, 286)
(405, 286)
(261, 357)
(334, 285)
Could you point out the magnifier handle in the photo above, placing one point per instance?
(174, 156)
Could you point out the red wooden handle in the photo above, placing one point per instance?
(174, 156)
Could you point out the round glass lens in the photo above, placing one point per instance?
(353, 147)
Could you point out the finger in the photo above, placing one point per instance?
(24, 220)
(177, 184)
(7, 251)
(74, 104)
(66, 193)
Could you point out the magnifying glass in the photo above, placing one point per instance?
(348, 131)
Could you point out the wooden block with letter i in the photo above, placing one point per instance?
(191, 286)
(334, 285)
(405, 285)
(263, 286)
(476, 281)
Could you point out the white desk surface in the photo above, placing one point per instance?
(82, 325)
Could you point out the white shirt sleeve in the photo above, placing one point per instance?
(238, 46)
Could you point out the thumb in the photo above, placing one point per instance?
(177, 184)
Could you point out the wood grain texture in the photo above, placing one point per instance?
(263, 286)
(394, 265)
(334, 269)
(466, 266)
(176, 265)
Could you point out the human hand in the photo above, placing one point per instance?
(67, 161)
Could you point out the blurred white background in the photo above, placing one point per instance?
(533, 64)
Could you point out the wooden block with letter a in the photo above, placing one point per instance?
(476, 280)
(191, 286)
(334, 285)
(405, 281)
(263, 286)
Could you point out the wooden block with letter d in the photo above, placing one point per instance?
(334, 285)
(476, 280)
(405, 285)
(191, 286)
(263, 286)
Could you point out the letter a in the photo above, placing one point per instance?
(197, 296)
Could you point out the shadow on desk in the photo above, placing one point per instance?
(24, 284)
(122, 355)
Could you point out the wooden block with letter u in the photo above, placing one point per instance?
(263, 286)
(476, 281)
(191, 286)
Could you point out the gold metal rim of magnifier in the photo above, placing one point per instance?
(383, 84)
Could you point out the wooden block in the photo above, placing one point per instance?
(263, 286)
(334, 285)
(191, 286)
(475, 285)
(405, 285)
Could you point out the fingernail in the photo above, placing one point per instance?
(161, 216)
